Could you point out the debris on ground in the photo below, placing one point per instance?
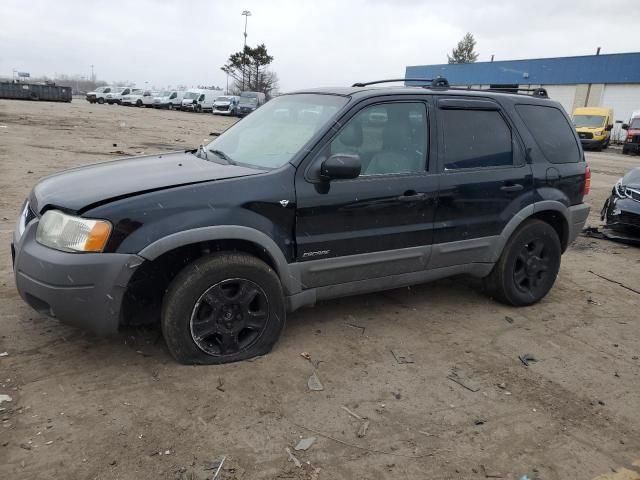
(4, 354)
(527, 358)
(465, 382)
(502, 385)
(314, 383)
(306, 355)
(305, 443)
(292, 458)
(352, 413)
(118, 152)
(402, 357)
(489, 473)
(219, 387)
(614, 281)
(215, 465)
(5, 398)
(508, 319)
(362, 431)
(591, 301)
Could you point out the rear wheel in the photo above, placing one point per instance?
(101, 101)
(139, 103)
(528, 266)
(223, 308)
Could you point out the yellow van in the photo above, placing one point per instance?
(593, 125)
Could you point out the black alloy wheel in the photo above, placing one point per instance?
(229, 317)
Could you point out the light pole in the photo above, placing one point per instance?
(246, 14)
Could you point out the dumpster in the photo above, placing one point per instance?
(48, 92)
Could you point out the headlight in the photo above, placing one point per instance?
(620, 189)
(72, 234)
(598, 133)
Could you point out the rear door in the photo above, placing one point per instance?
(485, 179)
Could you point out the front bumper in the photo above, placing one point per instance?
(622, 214)
(629, 147)
(91, 98)
(592, 143)
(85, 290)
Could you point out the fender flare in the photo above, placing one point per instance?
(524, 214)
(290, 283)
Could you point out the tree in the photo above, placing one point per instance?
(464, 52)
(249, 70)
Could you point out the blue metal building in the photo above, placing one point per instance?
(611, 80)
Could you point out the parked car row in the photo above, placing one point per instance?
(195, 100)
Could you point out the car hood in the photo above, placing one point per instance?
(85, 187)
(632, 178)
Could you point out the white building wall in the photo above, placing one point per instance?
(624, 99)
(565, 94)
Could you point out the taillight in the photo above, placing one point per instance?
(587, 181)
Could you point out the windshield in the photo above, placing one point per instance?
(100, 89)
(223, 99)
(119, 90)
(273, 134)
(635, 123)
(249, 94)
(136, 92)
(588, 121)
(191, 95)
(164, 93)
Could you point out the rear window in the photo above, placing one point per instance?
(551, 131)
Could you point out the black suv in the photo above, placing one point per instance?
(318, 194)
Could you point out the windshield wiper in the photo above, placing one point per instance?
(223, 156)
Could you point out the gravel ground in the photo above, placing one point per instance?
(121, 408)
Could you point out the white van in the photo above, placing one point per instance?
(116, 95)
(168, 99)
(198, 100)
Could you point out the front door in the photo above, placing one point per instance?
(367, 226)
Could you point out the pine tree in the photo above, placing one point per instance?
(464, 52)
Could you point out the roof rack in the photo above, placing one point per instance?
(535, 92)
(441, 83)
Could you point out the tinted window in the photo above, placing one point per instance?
(551, 131)
(389, 138)
(474, 139)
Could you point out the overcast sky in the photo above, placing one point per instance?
(315, 43)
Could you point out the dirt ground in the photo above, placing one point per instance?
(121, 408)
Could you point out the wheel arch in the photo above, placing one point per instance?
(552, 212)
(166, 257)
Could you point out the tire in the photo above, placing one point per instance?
(233, 325)
(528, 266)
(139, 103)
(101, 101)
(198, 108)
(170, 106)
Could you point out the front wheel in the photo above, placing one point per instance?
(223, 308)
(101, 101)
(528, 266)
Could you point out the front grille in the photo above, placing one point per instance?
(628, 219)
(585, 135)
(633, 194)
(222, 109)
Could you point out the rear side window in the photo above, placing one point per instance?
(552, 132)
(475, 139)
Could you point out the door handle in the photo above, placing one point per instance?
(516, 187)
(411, 196)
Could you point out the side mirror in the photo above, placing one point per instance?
(609, 128)
(625, 126)
(340, 166)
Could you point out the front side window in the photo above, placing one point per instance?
(552, 132)
(389, 138)
(635, 123)
(273, 134)
(475, 139)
